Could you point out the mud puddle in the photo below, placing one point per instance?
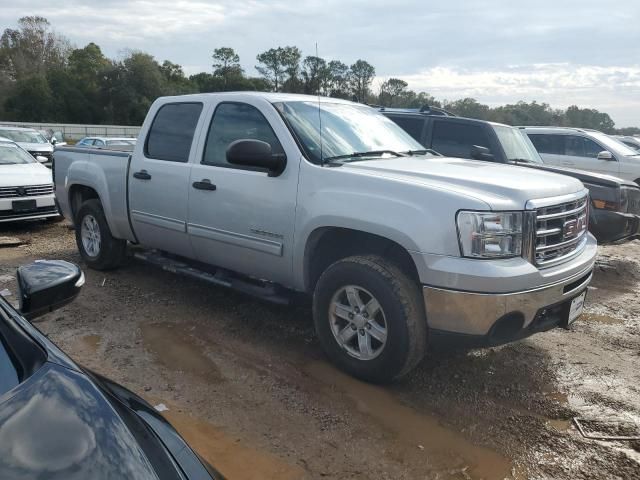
(227, 454)
(86, 345)
(175, 347)
(595, 317)
(447, 451)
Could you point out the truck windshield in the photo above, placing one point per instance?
(11, 154)
(516, 145)
(347, 129)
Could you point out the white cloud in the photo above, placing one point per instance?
(614, 89)
(561, 52)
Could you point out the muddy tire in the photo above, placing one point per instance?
(98, 248)
(370, 319)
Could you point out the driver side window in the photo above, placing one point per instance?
(236, 121)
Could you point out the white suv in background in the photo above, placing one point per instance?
(585, 150)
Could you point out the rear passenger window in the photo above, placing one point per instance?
(236, 121)
(552, 144)
(413, 126)
(171, 132)
(454, 139)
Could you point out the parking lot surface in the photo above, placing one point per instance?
(248, 387)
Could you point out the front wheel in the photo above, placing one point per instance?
(369, 317)
(98, 248)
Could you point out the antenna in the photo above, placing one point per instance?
(319, 110)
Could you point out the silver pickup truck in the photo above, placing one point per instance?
(272, 193)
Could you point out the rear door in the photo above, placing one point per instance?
(159, 177)
(240, 218)
(582, 153)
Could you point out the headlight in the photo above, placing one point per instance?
(490, 234)
(604, 198)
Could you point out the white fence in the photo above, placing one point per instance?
(76, 132)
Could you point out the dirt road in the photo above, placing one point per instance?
(248, 386)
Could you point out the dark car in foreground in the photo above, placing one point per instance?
(615, 203)
(61, 421)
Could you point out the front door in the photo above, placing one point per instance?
(240, 218)
(159, 179)
(582, 153)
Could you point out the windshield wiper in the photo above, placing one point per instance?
(371, 153)
(422, 152)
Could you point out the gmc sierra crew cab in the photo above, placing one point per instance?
(272, 193)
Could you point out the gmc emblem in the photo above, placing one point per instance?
(573, 228)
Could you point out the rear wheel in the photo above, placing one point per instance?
(98, 248)
(369, 317)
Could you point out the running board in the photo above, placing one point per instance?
(267, 291)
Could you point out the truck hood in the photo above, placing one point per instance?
(37, 147)
(500, 186)
(24, 174)
(583, 175)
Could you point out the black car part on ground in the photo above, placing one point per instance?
(59, 421)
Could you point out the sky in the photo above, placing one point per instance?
(561, 52)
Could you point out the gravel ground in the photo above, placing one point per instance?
(247, 385)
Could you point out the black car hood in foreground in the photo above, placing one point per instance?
(58, 425)
(64, 423)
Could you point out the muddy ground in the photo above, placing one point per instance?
(247, 385)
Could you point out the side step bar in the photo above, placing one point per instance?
(267, 291)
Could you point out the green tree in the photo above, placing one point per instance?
(176, 83)
(338, 80)
(391, 91)
(31, 49)
(362, 74)
(589, 118)
(32, 100)
(272, 67)
(226, 64)
(468, 107)
(314, 74)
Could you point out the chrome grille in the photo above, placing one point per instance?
(30, 191)
(561, 231)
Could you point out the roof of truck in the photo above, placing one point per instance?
(272, 97)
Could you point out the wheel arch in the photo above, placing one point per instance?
(327, 245)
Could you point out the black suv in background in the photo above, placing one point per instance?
(615, 203)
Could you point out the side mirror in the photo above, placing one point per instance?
(53, 140)
(605, 155)
(46, 285)
(258, 154)
(482, 153)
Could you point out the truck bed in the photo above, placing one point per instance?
(104, 171)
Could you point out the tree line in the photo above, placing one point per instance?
(43, 78)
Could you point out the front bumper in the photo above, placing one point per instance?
(609, 227)
(502, 317)
(45, 207)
